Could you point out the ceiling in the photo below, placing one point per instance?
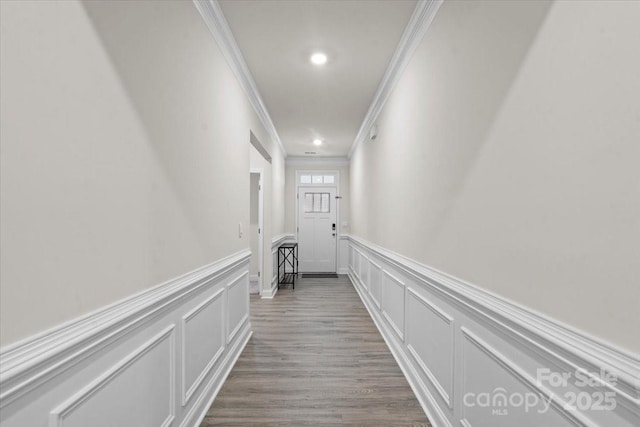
(307, 101)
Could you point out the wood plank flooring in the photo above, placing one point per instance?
(315, 358)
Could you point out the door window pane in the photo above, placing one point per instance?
(316, 178)
(317, 202)
(308, 202)
(324, 204)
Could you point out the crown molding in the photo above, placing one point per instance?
(215, 20)
(306, 161)
(418, 24)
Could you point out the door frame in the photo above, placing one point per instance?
(297, 202)
(260, 173)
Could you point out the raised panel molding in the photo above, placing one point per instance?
(81, 362)
(364, 271)
(60, 416)
(435, 415)
(393, 306)
(490, 342)
(202, 403)
(237, 297)
(375, 289)
(438, 343)
(351, 257)
(189, 387)
(513, 375)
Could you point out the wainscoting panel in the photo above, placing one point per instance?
(200, 356)
(343, 254)
(514, 395)
(238, 298)
(430, 341)
(375, 286)
(475, 359)
(356, 263)
(364, 271)
(351, 258)
(145, 379)
(157, 358)
(393, 300)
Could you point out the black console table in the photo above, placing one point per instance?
(287, 257)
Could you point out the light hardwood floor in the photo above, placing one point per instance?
(315, 358)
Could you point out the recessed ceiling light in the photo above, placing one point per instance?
(317, 142)
(319, 58)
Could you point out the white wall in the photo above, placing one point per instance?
(253, 222)
(125, 155)
(278, 194)
(125, 163)
(507, 156)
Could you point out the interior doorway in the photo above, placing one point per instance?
(256, 231)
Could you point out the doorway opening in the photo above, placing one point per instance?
(256, 231)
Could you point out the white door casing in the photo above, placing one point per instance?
(260, 230)
(317, 229)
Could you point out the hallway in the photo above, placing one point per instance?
(466, 170)
(315, 358)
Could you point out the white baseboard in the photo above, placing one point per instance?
(215, 384)
(270, 293)
(455, 341)
(401, 359)
(109, 364)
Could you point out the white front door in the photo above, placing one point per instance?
(317, 229)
